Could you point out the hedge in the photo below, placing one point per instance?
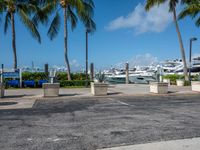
(44, 76)
(76, 83)
(34, 76)
(174, 77)
(78, 79)
(74, 76)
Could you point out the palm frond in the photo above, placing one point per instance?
(72, 17)
(88, 9)
(90, 26)
(86, 16)
(7, 22)
(192, 9)
(54, 27)
(152, 3)
(43, 13)
(29, 25)
(76, 4)
(198, 22)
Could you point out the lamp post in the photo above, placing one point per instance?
(86, 63)
(191, 40)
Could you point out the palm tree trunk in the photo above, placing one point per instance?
(14, 41)
(181, 45)
(66, 44)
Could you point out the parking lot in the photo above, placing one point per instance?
(90, 123)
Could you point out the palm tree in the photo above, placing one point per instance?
(23, 9)
(192, 8)
(90, 28)
(172, 8)
(72, 11)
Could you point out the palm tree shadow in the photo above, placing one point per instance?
(172, 92)
(64, 95)
(17, 96)
(115, 93)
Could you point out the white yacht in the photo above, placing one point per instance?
(135, 76)
(170, 67)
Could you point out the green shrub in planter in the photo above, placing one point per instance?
(173, 78)
(100, 77)
(196, 78)
(75, 83)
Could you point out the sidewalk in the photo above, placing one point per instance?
(114, 90)
(141, 89)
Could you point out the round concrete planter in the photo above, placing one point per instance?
(51, 89)
(195, 86)
(99, 89)
(180, 82)
(2, 89)
(159, 87)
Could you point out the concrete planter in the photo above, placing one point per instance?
(159, 88)
(167, 81)
(99, 89)
(2, 90)
(180, 82)
(51, 89)
(196, 86)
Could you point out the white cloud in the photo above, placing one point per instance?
(156, 20)
(139, 60)
(75, 63)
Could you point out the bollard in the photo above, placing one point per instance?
(46, 69)
(127, 73)
(1, 90)
(91, 72)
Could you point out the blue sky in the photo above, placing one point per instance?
(124, 31)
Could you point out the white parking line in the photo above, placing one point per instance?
(120, 102)
(186, 144)
(124, 103)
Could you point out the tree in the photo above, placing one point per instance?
(172, 9)
(24, 9)
(192, 9)
(90, 28)
(72, 11)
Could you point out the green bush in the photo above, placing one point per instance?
(196, 78)
(75, 76)
(78, 79)
(59, 76)
(173, 78)
(34, 76)
(187, 83)
(75, 83)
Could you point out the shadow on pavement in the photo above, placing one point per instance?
(48, 107)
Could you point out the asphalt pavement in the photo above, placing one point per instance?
(91, 123)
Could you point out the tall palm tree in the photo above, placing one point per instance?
(72, 11)
(90, 28)
(23, 9)
(172, 8)
(192, 8)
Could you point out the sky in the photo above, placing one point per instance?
(125, 33)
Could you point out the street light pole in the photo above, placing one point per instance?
(191, 40)
(86, 67)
